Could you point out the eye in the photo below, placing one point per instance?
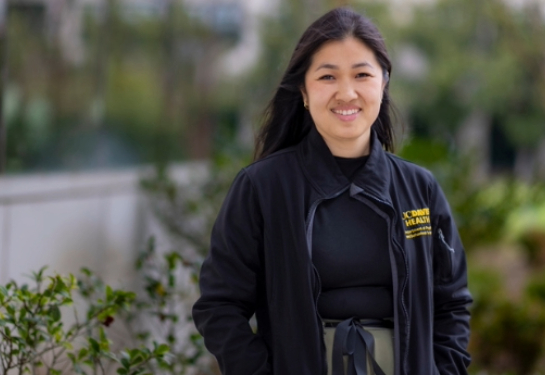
(363, 75)
(327, 77)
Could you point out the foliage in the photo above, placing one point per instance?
(475, 57)
(128, 92)
(507, 331)
(482, 209)
(124, 87)
(480, 56)
(164, 311)
(169, 277)
(188, 210)
(34, 334)
(507, 335)
(150, 82)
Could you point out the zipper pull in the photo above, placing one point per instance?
(442, 238)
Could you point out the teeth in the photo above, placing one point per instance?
(347, 112)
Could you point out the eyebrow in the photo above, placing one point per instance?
(335, 67)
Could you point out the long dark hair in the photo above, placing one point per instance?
(286, 120)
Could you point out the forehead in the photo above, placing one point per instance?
(344, 52)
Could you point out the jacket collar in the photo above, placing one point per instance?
(321, 169)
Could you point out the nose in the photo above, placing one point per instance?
(346, 91)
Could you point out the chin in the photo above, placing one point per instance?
(352, 134)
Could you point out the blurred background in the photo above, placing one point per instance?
(123, 120)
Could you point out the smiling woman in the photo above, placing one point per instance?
(347, 255)
(343, 91)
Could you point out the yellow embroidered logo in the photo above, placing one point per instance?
(419, 218)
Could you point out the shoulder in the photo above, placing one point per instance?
(410, 170)
(280, 162)
(423, 180)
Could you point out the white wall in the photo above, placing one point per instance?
(67, 221)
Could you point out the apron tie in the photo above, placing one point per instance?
(352, 340)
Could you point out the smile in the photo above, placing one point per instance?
(347, 112)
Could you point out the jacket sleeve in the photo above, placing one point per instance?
(451, 295)
(229, 282)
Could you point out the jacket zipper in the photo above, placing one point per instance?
(308, 230)
(392, 223)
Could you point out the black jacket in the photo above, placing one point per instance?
(260, 262)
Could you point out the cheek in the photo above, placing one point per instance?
(316, 93)
(372, 102)
(372, 93)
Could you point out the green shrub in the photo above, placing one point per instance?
(33, 332)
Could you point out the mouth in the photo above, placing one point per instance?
(346, 112)
(346, 115)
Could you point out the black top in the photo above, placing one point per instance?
(349, 166)
(350, 252)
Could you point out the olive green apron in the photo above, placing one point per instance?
(364, 347)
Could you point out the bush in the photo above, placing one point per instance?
(33, 333)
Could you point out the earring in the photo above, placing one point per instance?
(305, 104)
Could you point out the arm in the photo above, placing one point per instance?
(229, 280)
(451, 295)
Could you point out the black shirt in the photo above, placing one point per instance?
(350, 252)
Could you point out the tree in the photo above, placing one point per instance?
(481, 56)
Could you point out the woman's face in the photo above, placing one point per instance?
(343, 89)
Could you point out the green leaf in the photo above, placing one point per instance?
(10, 310)
(137, 359)
(57, 284)
(86, 271)
(38, 277)
(162, 349)
(73, 281)
(125, 362)
(54, 313)
(67, 345)
(94, 345)
(22, 314)
(82, 353)
(122, 371)
(72, 357)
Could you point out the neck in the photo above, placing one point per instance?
(349, 148)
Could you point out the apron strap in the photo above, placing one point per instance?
(352, 340)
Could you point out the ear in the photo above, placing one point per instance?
(304, 93)
(385, 80)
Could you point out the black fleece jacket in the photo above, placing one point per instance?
(260, 263)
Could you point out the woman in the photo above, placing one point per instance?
(347, 255)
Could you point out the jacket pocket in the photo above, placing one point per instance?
(443, 259)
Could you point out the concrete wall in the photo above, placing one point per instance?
(97, 220)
